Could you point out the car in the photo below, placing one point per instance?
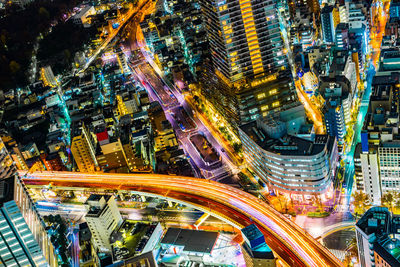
(182, 127)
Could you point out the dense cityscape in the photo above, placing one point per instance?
(199, 133)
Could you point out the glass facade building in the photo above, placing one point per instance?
(18, 246)
(290, 164)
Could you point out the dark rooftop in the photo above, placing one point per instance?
(97, 197)
(191, 240)
(288, 144)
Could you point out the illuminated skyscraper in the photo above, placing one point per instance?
(102, 218)
(18, 246)
(245, 38)
(329, 19)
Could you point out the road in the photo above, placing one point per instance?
(312, 112)
(171, 98)
(378, 29)
(122, 21)
(289, 241)
(176, 108)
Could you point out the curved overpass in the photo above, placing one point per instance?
(290, 242)
(335, 228)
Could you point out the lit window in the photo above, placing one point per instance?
(275, 104)
(260, 96)
(273, 91)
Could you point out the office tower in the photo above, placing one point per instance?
(245, 38)
(370, 172)
(357, 168)
(377, 238)
(83, 148)
(277, 153)
(102, 218)
(342, 36)
(343, 13)
(18, 246)
(334, 118)
(380, 141)
(329, 19)
(34, 221)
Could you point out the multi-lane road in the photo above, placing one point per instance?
(135, 12)
(380, 13)
(289, 241)
(175, 109)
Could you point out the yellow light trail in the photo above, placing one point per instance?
(287, 239)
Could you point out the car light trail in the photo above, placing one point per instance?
(288, 240)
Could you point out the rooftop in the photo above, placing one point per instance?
(97, 197)
(375, 221)
(287, 144)
(191, 240)
(95, 207)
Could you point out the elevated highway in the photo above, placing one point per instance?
(335, 228)
(292, 244)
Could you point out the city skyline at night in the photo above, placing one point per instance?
(199, 133)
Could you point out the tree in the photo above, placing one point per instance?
(388, 200)
(14, 67)
(361, 202)
(351, 252)
(222, 129)
(397, 203)
(44, 13)
(319, 203)
(67, 55)
(237, 147)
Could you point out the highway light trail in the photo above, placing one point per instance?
(287, 239)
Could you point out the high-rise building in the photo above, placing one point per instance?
(377, 238)
(83, 148)
(34, 221)
(370, 172)
(334, 119)
(357, 168)
(13, 189)
(380, 155)
(277, 153)
(249, 59)
(18, 246)
(329, 19)
(342, 36)
(245, 38)
(102, 218)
